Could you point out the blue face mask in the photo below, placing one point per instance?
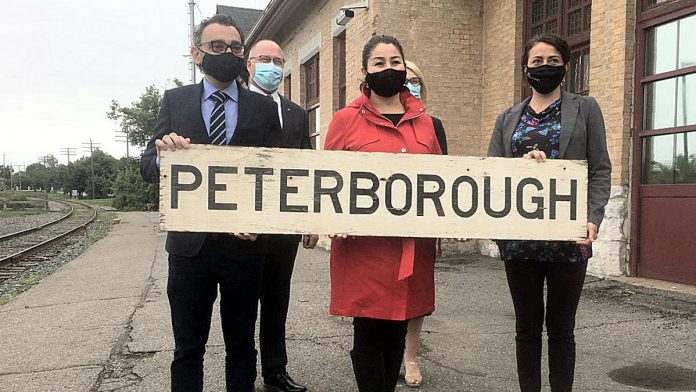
(268, 76)
(415, 90)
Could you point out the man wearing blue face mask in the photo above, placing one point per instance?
(265, 65)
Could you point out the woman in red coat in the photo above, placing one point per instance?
(382, 282)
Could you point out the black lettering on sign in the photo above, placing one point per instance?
(259, 172)
(455, 196)
(539, 201)
(371, 192)
(285, 189)
(435, 195)
(214, 187)
(388, 194)
(572, 198)
(319, 190)
(487, 198)
(179, 187)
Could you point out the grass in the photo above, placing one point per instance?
(94, 202)
(8, 213)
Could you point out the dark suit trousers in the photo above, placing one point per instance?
(275, 300)
(192, 288)
(564, 281)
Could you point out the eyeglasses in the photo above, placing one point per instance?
(279, 61)
(415, 81)
(219, 47)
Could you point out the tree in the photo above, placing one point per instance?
(5, 175)
(138, 120)
(131, 192)
(79, 174)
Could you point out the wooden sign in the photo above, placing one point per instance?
(261, 190)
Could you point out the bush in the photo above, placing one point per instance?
(132, 193)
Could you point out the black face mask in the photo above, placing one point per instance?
(224, 67)
(546, 78)
(386, 83)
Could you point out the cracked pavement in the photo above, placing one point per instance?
(101, 323)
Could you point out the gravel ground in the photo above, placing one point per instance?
(13, 224)
(23, 281)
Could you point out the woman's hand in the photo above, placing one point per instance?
(591, 234)
(540, 156)
(246, 236)
(309, 241)
(344, 236)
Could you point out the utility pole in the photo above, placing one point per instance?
(69, 151)
(122, 137)
(192, 26)
(92, 146)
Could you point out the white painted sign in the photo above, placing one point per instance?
(261, 190)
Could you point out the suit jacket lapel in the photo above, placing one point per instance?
(201, 133)
(511, 121)
(244, 111)
(285, 110)
(569, 115)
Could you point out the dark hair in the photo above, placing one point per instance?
(551, 39)
(222, 19)
(379, 39)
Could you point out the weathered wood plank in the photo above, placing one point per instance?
(261, 190)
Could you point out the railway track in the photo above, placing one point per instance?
(24, 249)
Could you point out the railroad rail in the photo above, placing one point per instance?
(41, 226)
(27, 246)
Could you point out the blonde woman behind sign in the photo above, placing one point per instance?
(412, 374)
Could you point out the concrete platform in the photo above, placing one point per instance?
(101, 323)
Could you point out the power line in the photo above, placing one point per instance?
(122, 137)
(69, 151)
(91, 146)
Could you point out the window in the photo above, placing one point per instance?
(287, 87)
(311, 98)
(571, 20)
(668, 104)
(340, 70)
(311, 81)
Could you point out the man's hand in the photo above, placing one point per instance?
(309, 241)
(591, 234)
(172, 142)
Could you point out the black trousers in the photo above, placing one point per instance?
(192, 288)
(378, 348)
(564, 283)
(275, 300)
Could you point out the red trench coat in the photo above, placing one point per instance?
(371, 276)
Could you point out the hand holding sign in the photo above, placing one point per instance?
(172, 142)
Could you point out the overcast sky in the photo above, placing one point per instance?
(64, 61)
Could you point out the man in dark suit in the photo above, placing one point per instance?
(265, 65)
(217, 111)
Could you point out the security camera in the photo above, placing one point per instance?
(346, 12)
(344, 16)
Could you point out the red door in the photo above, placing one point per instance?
(664, 193)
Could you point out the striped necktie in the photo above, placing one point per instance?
(217, 119)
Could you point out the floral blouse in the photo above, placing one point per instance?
(541, 131)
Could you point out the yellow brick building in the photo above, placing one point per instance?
(469, 51)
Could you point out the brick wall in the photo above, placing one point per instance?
(444, 38)
(611, 76)
(502, 78)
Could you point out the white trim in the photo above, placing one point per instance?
(309, 49)
(287, 69)
(336, 30)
